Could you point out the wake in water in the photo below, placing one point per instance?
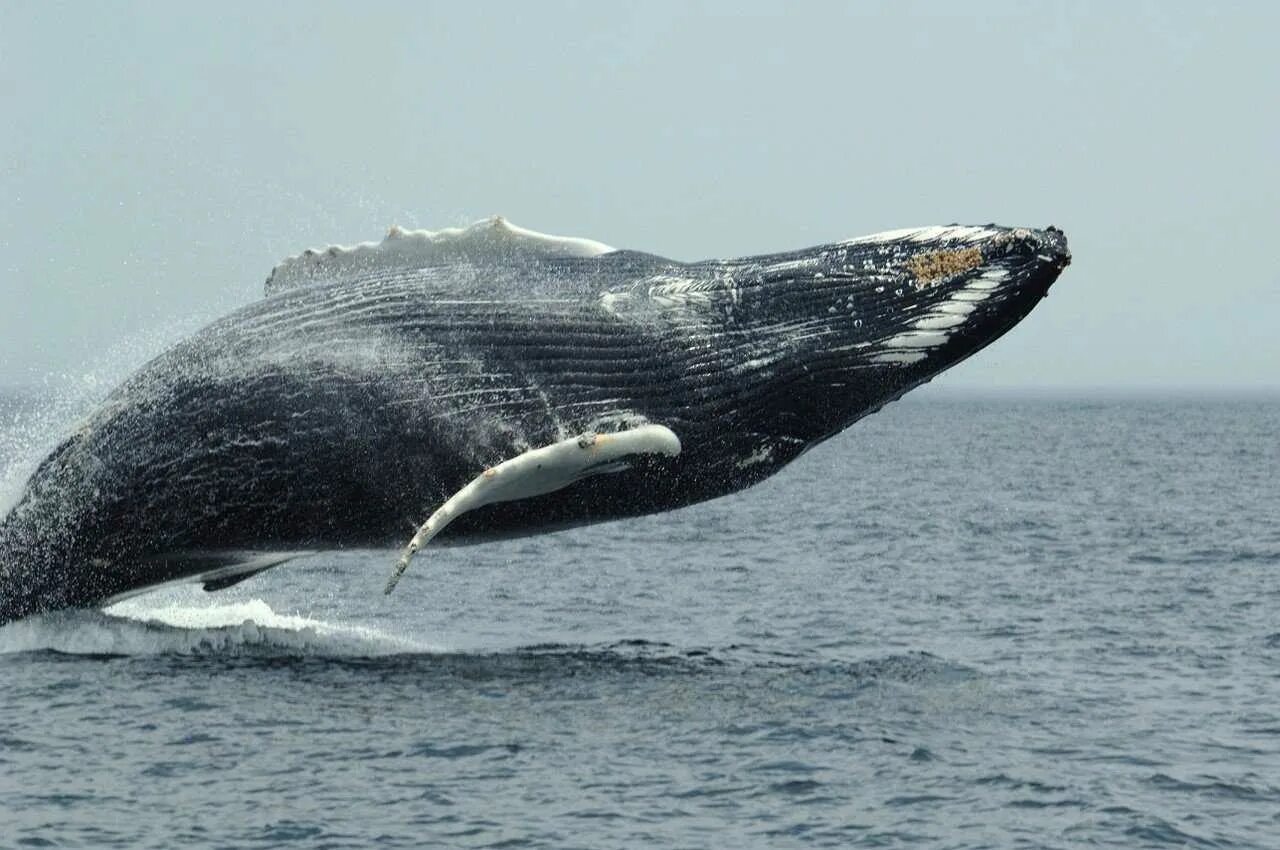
(183, 622)
(172, 623)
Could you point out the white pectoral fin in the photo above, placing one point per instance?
(541, 471)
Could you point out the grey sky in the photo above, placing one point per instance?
(157, 160)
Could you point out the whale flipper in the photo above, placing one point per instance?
(541, 471)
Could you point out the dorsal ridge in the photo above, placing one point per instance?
(491, 241)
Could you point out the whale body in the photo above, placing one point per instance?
(372, 383)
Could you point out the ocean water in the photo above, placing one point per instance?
(963, 623)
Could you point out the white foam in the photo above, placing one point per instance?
(488, 241)
(160, 624)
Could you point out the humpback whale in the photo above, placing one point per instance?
(496, 382)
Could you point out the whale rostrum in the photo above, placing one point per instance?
(501, 382)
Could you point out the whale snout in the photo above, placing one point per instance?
(1035, 250)
(1025, 260)
(933, 296)
(1004, 273)
(1053, 246)
(999, 263)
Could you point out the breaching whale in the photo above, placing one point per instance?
(496, 382)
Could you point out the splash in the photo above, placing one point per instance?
(35, 419)
(162, 624)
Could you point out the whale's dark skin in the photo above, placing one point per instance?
(341, 412)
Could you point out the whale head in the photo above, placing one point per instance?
(815, 339)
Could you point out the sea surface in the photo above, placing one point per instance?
(962, 623)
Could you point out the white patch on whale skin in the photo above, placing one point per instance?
(981, 284)
(988, 280)
(763, 454)
(884, 236)
(804, 264)
(760, 366)
(905, 356)
(615, 302)
(939, 322)
(493, 240)
(916, 339)
(950, 313)
(936, 233)
(673, 290)
(929, 234)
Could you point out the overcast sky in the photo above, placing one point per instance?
(157, 160)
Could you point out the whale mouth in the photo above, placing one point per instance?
(965, 291)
